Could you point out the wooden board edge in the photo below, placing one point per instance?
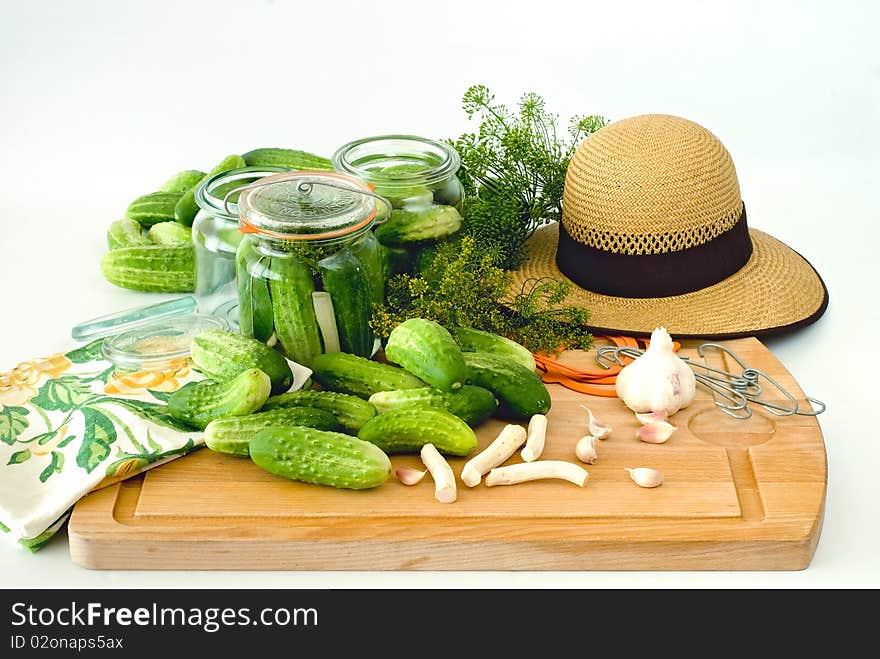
(103, 554)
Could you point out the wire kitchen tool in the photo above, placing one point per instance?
(737, 390)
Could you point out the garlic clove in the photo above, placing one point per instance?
(656, 433)
(645, 477)
(585, 449)
(598, 429)
(409, 476)
(652, 417)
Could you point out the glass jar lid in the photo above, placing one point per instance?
(211, 194)
(307, 205)
(397, 160)
(157, 345)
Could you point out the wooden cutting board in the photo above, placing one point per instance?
(738, 495)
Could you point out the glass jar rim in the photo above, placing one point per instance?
(344, 160)
(217, 206)
(364, 212)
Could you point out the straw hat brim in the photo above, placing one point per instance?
(776, 290)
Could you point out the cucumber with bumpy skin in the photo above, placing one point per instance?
(169, 233)
(428, 351)
(408, 429)
(350, 411)
(186, 208)
(520, 392)
(151, 268)
(233, 435)
(206, 401)
(183, 181)
(287, 158)
(255, 317)
(294, 313)
(473, 405)
(320, 457)
(345, 278)
(407, 227)
(472, 340)
(395, 260)
(125, 233)
(153, 208)
(223, 355)
(368, 252)
(350, 374)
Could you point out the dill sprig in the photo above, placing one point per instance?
(513, 170)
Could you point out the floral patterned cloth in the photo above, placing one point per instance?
(71, 423)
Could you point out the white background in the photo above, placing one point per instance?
(101, 101)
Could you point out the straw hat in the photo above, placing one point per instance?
(654, 233)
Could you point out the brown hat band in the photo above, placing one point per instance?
(655, 275)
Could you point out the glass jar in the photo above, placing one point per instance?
(413, 173)
(308, 268)
(216, 238)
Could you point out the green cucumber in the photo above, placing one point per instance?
(294, 313)
(368, 251)
(344, 277)
(243, 287)
(151, 268)
(255, 317)
(407, 227)
(428, 351)
(186, 208)
(350, 411)
(153, 208)
(233, 434)
(223, 355)
(473, 405)
(320, 457)
(350, 374)
(395, 260)
(169, 233)
(200, 404)
(408, 429)
(125, 233)
(472, 340)
(398, 185)
(183, 181)
(287, 158)
(520, 392)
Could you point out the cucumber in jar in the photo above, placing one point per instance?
(296, 326)
(345, 278)
(367, 250)
(256, 318)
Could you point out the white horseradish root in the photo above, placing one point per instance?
(441, 472)
(507, 442)
(531, 471)
(537, 436)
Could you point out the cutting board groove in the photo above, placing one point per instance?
(743, 495)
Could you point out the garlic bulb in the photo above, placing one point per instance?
(658, 380)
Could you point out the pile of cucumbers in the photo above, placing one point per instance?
(151, 246)
(436, 387)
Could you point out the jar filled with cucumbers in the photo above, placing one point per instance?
(216, 238)
(419, 177)
(308, 267)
